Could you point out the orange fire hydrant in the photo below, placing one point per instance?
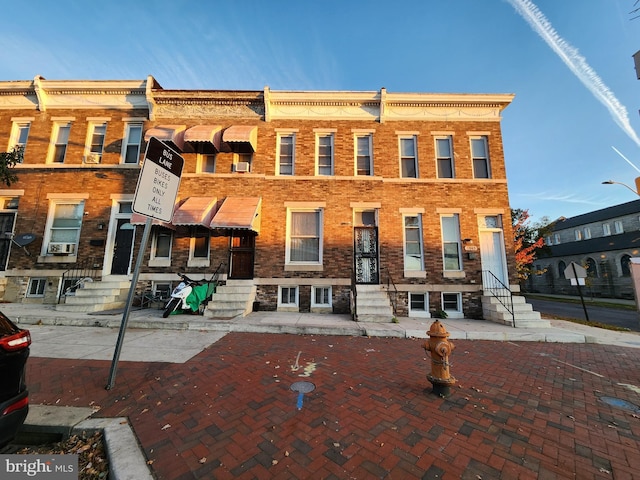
(440, 349)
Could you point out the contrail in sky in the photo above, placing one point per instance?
(576, 63)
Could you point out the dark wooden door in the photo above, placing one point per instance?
(6, 233)
(366, 255)
(122, 248)
(241, 256)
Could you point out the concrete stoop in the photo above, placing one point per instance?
(97, 297)
(373, 304)
(231, 300)
(525, 316)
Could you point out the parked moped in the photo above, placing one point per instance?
(191, 295)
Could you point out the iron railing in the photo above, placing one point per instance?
(494, 286)
(393, 295)
(353, 297)
(83, 272)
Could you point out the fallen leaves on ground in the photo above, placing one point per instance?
(92, 458)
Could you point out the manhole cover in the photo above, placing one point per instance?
(620, 403)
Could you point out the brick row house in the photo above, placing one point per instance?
(315, 201)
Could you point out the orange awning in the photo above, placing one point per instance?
(244, 135)
(195, 211)
(173, 135)
(238, 213)
(206, 138)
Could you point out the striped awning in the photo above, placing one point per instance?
(203, 138)
(242, 135)
(195, 211)
(238, 213)
(172, 135)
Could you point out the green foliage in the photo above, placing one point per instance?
(8, 160)
(439, 314)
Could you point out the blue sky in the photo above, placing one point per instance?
(577, 95)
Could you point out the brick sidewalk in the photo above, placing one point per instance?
(520, 410)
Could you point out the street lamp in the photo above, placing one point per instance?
(611, 182)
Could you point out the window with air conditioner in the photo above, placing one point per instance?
(242, 162)
(64, 224)
(95, 142)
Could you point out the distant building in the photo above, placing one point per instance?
(602, 241)
(306, 198)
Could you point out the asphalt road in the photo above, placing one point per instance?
(610, 316)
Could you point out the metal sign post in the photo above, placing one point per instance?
(577, 276)
(155, 198)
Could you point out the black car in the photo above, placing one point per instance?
(14, 397)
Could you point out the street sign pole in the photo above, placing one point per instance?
(155, 197)
(127, 307)
(575, 275)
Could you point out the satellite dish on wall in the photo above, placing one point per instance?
(24, 239)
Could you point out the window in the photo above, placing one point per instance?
(364, 162)
(617, 226)
(161, 244)
(288, 297)
(200, 243)
(161, 290)
(408, 157)
(419, 304)
(321, 297)
(586, 233)
(304, 243)
(480, 157)
(242, 162)
(578, 235)
(451, 242)
(556, 237)
(625, 265)
(324, 154)
(452, 304)
(413, 249)
(60, 140)
(64, 228)
(444, 157)
(561, 268)
(36, 287)
(606, 229)
(548, 240)
(286, 153)
(95, 147)
(131, 143)
(590, 265)
(206, 163)
(19, 135)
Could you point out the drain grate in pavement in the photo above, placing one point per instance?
(620, 403)
(302, 388)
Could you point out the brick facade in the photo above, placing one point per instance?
(345, 114)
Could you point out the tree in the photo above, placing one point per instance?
(8, 160)
(528, 240)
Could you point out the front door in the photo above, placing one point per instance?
(366, 255)
(122, 247)
(492, 252)
(6, 233)
(241, 255)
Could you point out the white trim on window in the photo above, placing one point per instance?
(419, 304)
(161, 247)
(19, 133)
(308, 240)
(363, 154)
(288, 298)
(36, 287)
(408, 153)
(94, 146)
(618, 227)
(452, 304)
(480, 163)
(412, 244)
(285, 153)
(59, 142)
(321, 297)
(63, 227)
(606, 229)
(445, 167)
(451, 243)
(324, 153)
(131, 143)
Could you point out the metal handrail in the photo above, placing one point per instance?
(493, 285)
(393, 296)
(85, 271)
(354, 296)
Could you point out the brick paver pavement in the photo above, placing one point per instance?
(519, 410)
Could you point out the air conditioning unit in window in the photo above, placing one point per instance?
(92, 158)
(242, 166)
(62, 248)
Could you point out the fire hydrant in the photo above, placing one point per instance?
(440, 349)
